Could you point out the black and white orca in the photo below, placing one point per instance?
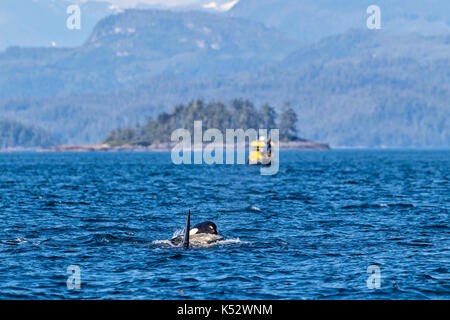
(202, 233)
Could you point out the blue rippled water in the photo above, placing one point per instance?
(309, 232)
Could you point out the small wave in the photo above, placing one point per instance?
(220, 242)
(16, 241)
(436, 226)
(102, 238)
(414, 244)
(378, 205)
(232, 241)
(178, 233)
(72, 203)
(98, 238)
(165, 243)
(19, 241)
(248, 209)
(402, 205)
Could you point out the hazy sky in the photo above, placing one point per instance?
(127, 3)
(166, 2)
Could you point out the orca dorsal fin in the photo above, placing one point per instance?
(186, 231)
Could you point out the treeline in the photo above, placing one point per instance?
(13, 134)
(239, 114)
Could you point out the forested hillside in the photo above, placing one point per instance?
(14, 134)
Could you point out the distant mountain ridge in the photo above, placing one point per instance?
(130, 48)
(309, 21)
(42, 23)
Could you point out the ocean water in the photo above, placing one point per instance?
(310, 232)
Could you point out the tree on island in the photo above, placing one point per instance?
(268, 117)
(288, 124)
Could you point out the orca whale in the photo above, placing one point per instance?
(204, 232)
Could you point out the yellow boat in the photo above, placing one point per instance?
(259, 153)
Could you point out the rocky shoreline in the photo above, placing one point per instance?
(167, 147)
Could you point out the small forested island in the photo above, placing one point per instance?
(155, 134)
(239, 114)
